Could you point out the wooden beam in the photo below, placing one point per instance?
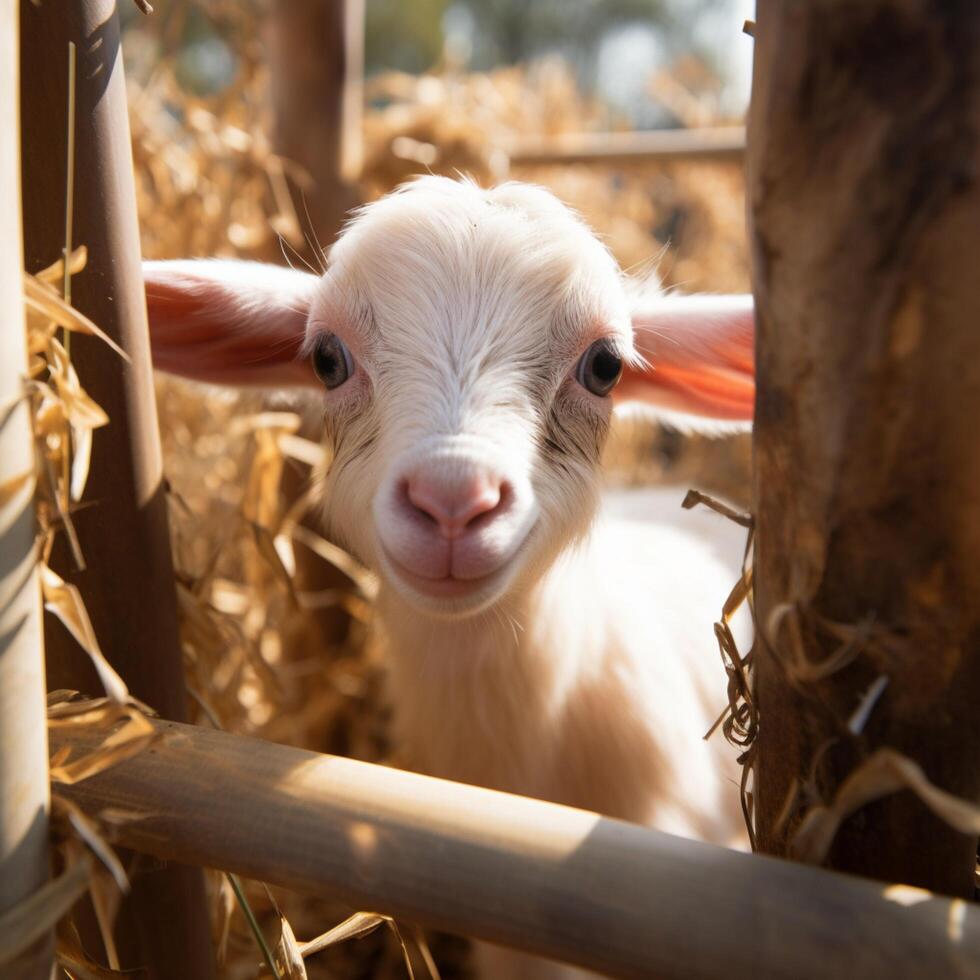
(554, 881)
(128, 585)
(23, 735)
(608, 149)
(865, 227)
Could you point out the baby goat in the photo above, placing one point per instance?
(465, 347)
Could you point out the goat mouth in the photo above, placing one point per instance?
(448, 586)
(449, 595)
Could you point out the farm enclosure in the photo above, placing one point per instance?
(253, 646)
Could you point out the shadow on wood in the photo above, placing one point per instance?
(548, 879)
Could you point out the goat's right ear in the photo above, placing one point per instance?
(698, 358)
(224, 322)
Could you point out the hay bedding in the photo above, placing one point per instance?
(258, 658)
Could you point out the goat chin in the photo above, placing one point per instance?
(594, 687)
(466, 346)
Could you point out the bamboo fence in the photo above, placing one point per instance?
(24, 799)
(554, 881)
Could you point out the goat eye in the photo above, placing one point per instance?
(332, 361)
(599, 368)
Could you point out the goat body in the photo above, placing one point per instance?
(593, 689)
(465, 347)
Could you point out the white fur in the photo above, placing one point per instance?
(590, 674)
(586, 671)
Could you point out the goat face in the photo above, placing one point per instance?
(467, 341)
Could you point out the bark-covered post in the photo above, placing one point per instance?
(317, 68)
(128, 586)
(23, 726)
(317, 62)
(864, 203)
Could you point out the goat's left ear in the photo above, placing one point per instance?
(230, 323)
(699, 357)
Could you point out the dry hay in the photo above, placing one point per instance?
(64, 418)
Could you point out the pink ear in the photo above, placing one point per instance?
(234, 323)
(700, 356)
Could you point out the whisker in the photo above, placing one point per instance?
(315, 246)
(283, 244)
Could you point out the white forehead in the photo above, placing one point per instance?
(444, 261)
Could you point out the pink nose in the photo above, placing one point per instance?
(455, 506)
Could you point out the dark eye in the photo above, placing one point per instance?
(600, 368)
(332, 361)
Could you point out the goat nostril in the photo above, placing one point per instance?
(417, 501)
(479, 509)
(455, 507)
(488, 506)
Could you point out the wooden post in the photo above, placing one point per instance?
(128, 586)
(548, 879)
(725, 143)
(317, 70)
(23, 724)
(863, 162)
(317, 60)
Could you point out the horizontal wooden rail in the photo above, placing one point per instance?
(548, 879)
(717, 143)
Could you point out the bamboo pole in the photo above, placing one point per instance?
(605, 149)
(864, 205)
(23, 726)
(128, 586)
(547, 879)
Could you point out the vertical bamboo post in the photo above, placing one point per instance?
(128, 586)
(863, 162)
(23, 727)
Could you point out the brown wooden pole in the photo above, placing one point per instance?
(128, 586)
(317, 65)
(725, 143)
(863, 162)
(317, 68)
(548, 879)
(23, 725)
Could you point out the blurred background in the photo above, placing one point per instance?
(233, 98)
(612, 46)
(257, 124)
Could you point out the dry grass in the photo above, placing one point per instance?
(64, 419)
